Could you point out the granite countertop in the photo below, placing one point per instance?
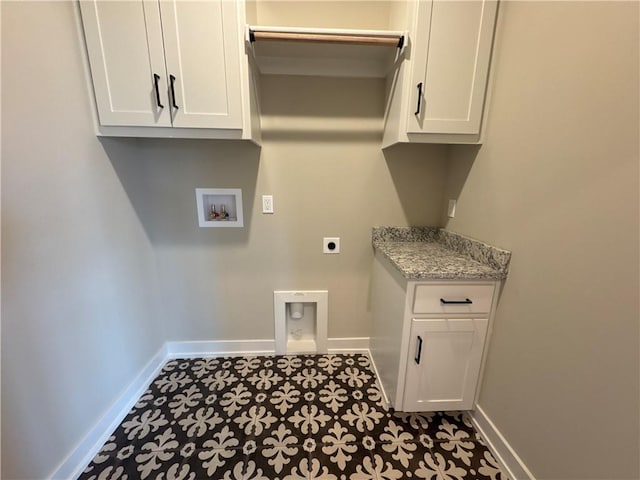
(429, 253)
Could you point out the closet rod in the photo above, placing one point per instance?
(379, 40)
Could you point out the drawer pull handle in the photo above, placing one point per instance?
(419, 350)
(466, 301)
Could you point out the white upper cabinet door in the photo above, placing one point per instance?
(450, 65)
(203, 62)
(124, 43)
(444, 363)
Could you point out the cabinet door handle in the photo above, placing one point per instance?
(172, 80)
(156, 77)
(418, 350)
(466, 301)
(419, 99)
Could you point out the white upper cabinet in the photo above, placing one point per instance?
(175, 65)
(439, 94)
(457, 48)
(124, 42)
(203, 63)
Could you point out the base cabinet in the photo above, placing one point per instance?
(429, 338)
(444, 362)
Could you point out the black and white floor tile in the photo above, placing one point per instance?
(300, 417)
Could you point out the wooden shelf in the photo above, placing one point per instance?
(325, 52)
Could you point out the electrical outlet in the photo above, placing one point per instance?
(331, 245)
(267, 203)
(452, 208)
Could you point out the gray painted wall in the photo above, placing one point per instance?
(78, 275)
(326, 181)
(103, 259)
(556, 182)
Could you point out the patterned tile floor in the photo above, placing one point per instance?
(284, 418)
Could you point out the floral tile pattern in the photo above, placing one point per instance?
(294, 417)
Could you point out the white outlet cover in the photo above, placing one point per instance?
(267, 204)
(326, 241)
(452, 208)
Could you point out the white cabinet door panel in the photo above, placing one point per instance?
(202, 53)
(454, 73)
(124, 55)
(444, 363)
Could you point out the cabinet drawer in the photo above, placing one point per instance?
(459, 298)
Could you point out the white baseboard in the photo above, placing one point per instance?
(77, 461)
(90, 445)
(380, 386)
(348, 345)
(505, 454)
(255, 347)
(216, 348)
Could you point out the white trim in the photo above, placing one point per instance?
(90, 445)
(216, 348)
(348, 345)
(504, 453)
(375, 369)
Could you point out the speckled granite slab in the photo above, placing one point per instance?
(494, 257)
(429, 253)
(405, 234)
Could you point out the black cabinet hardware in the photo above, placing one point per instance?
(173, 91)
(419, 98)
(466, 301)
(156, 77)
(418, 350)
